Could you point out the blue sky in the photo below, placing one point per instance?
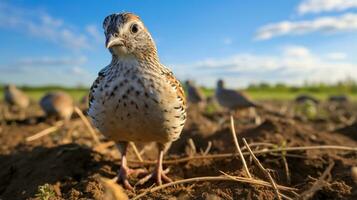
(292, 41)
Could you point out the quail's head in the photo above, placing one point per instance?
(188, 83)
(220, 83)
(126, 35)
(10, 87)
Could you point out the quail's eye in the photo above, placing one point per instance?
(116, 34)
(134, 28)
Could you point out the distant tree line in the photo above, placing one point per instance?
(347, 86)
(49, 88)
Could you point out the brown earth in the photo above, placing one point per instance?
(69, 163)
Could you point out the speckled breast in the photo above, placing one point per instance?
(133, 104)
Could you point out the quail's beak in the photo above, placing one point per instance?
(113, 41)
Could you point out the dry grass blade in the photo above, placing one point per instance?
(45, 132)
(259, 182)
(211, 178)
(137, 154)
(266, 173)
(258, 144)
(209, 146)
(286, 165)
(318, 184)
(287, 171)
(87, 124)
(320, 147)
(259, 152)
(238, 148)
(190, 148)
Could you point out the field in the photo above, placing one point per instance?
(255, 93)
(67, 163)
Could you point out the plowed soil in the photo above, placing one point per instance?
(69, 162)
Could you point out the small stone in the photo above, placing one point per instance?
(354, 174)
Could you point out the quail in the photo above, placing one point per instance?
(15, 97)
(305, 98)
(136, 98)
(57, 104)
(234, 100)
(338, 99)
(194, 94)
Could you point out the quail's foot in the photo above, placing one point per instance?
(124, 174)
(159, 176)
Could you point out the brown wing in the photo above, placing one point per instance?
(176, 84)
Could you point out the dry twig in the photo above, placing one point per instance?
(318, 184)
(258, 144)
(269, 185)
(266, 173)
(132, 144)
(190, 149)
(45, 132)
(287, 171)
(238, 148)
(87, 124)
(209, 146)
(286, 166)
(259, 152)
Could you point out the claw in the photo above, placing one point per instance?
(158, 176)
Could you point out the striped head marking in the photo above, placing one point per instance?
(126, 34)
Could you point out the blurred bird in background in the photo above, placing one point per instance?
(304, 98)
(233, 101)
(57, 105)
(16, 99)
(195, 96)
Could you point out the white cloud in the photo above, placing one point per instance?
(343, 23)
(337, 56)
(318, 6)
(48, 76)
(78, 71)
(50, 61)
(28, 65)
(296, 51)
(294, 65)
(67, 71)
(94, 32)
(39, 24)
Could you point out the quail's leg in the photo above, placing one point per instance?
(159, 174)
(125, 171)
